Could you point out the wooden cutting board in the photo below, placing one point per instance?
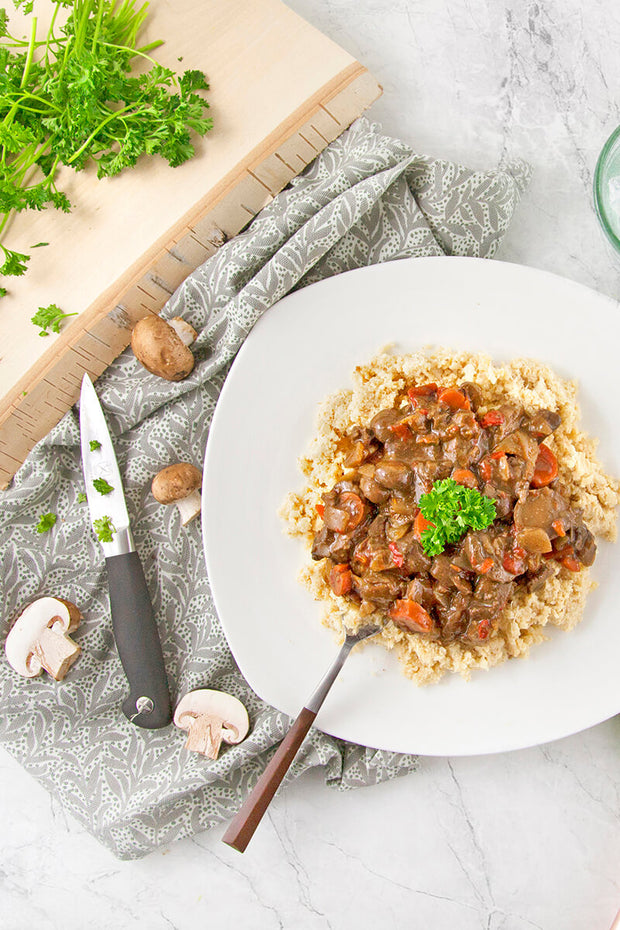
(280, 92)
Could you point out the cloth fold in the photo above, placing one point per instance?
(367, 198)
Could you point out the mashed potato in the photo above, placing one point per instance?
(561, 600)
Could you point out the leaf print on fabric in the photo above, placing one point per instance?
(366, 198)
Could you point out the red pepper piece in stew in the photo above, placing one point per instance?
(492, 418)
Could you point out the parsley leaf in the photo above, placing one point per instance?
(453, 510)
(49, 319)
(15, 263)
(81, 498)
(94, 445)
(101, 485)
(46, 522)
(104, 528)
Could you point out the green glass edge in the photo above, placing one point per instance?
(598, 172)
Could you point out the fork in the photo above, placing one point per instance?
(245, 822)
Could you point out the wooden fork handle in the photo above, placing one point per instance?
(242, 828)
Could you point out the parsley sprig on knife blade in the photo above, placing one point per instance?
(70, 97)
(452, 510)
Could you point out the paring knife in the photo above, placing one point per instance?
(133, 621)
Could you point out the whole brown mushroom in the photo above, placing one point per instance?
(179, 484)
(162, 346)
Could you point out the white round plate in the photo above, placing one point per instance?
(306, 347)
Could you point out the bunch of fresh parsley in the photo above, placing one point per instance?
(71, 97)
(453, 510)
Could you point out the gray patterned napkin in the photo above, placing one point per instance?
(367, 198)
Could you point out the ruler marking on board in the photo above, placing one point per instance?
(284, 162)
(262, 183)
(319, 133)
(308, 142)
(323, 107)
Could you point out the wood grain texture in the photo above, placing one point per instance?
(243, 826)
(280, 92)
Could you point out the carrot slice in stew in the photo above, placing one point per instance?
(421, 390)
(340, 579)
(546, 469)
(568, 559)
(514, 561)
(558, 526)
(420, 524)
(320, 509)
(353, 504)
(465, 477)
(455, 399)
(412, 615)
(400, 429)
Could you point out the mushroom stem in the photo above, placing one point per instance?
(186, 333)
(205, 736)
(189, 507)
(55, 651)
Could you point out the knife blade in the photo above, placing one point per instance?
(133, 621)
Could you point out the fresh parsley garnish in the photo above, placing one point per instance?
(101, 485)
(104, 528)
(94, 445)
(49, 319)
(70, 98)
(453, 510)
(81, 498)
(46, 522)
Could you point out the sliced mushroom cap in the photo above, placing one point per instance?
(179, 484)
(539, 508)
(534, 539)
(522, 445)
(162, 347)
(210, 717)
(544, 422)
(39, 638)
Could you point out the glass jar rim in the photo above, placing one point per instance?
(598, 181)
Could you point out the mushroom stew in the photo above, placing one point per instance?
(373, 526)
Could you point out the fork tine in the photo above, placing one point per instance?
(363, 633)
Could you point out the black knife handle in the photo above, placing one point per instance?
(137, 639)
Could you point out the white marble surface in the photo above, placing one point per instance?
(523, 840)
